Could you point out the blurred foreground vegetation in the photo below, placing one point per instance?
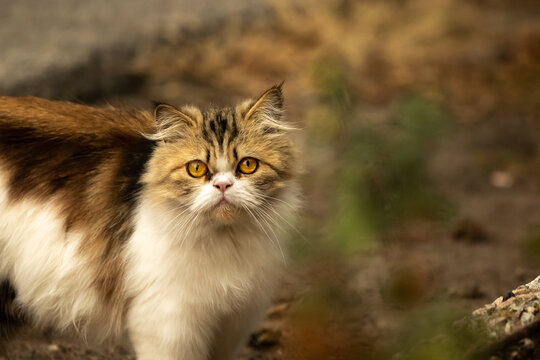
(375, 172)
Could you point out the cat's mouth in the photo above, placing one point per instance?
(224, 204)
(225, 211)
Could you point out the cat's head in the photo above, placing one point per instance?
(223, 166)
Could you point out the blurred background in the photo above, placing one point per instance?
(420, 143)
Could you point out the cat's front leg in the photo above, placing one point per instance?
(233, 329)
(170, 331)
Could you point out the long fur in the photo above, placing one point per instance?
(103, 230)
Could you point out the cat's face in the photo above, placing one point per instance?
(223, 166)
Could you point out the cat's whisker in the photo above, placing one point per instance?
(283, 218)
(266, 218)
(287, 222)
(192, 222)
(266, 233)
(280, 200)
(248, 198)
(170, 222)
(264, 214)
(184, 224)
(275, 241)
(273, 220)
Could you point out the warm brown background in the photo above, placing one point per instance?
(420, 145)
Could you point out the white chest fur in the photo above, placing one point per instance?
(217, 268)
(182, 287)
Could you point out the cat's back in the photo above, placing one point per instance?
(64, 119)
(49, 147)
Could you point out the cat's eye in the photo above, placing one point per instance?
(248, 165)
(196, 168)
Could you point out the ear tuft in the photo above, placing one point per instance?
(170, 121)
(166, 112)
(269, 106)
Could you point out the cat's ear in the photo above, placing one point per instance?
(165, 114)
(170, 121)
(267, 110)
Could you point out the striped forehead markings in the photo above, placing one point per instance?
(220, 126)
(222, 122)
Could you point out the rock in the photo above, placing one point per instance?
(526, 318)
(534, 285)
(527, 343)
(509, 326)
(512, 312)
(508, 295)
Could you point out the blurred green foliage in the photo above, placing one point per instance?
(372, 172)
(432, 334)
(376, 172)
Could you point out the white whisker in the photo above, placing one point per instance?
(276, 242)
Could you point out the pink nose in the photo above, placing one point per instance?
(223, 185)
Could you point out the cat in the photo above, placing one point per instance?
(165, 225)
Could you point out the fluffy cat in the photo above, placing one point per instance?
(163, 225)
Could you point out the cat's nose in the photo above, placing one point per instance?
(223, 185)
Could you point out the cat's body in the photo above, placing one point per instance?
(160, 225)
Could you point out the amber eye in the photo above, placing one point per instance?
(196, 168)
(248, 165)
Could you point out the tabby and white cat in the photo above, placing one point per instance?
(160, 225)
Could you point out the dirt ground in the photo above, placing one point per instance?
(435, 263)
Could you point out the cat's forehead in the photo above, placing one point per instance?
(220, 128)
(220, 123)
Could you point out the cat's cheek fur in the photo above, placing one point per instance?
(185, 298)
